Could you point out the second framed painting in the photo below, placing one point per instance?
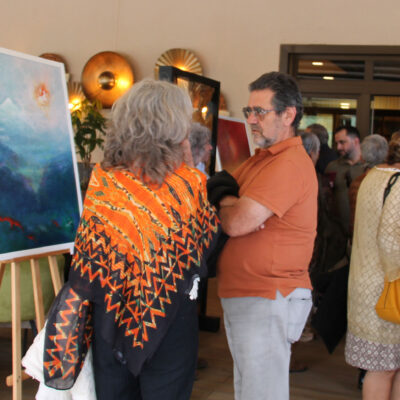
(234, 144)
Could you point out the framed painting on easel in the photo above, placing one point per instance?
(40, 202)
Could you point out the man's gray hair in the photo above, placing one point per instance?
(311, 142)
(199, 136)
(286, 93)
(320, 131)
(374, 149)
(148, 125)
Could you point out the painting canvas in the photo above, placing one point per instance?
(40, 202)
(233, 144)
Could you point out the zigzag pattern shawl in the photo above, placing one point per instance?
(137, 249)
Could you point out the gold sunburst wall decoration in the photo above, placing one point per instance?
(75, 96)
(183, 59)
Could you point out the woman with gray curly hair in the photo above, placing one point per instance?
(372, 343)
(374, 150)
(140, 250)
(148, 125)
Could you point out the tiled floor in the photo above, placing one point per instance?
(328, 377)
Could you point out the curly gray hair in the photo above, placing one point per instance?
(374, 149)
(311, 142)
(148, 125)
(199, 136)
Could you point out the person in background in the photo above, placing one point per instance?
(326, 154)
(140, 251)
(200, 145)
(311, 145)
(343, 171)
(262, 271)
(374, 149)
(200, 148)
(373, 344)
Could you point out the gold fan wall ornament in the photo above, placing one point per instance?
(75, 96)
(183, 59)
(106, 77)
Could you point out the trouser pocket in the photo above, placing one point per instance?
(299, 307)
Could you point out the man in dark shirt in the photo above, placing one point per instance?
(344, 170)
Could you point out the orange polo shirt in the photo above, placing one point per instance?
(283, 179)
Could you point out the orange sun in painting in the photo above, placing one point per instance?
(42, 95)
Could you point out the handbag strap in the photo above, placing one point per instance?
(391, 182)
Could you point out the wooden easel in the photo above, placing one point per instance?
(15, 380)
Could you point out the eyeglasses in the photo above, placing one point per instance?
(257, 111)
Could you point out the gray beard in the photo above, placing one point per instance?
(263, 143)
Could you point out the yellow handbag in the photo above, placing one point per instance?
(388, 305)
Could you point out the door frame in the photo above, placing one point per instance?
(363, 89)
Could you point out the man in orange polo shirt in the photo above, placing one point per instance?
(263, 277)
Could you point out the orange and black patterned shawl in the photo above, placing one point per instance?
(137, 249)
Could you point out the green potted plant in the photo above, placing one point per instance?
(89, 128)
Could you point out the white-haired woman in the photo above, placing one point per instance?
(372, 343)
(374, 150)
(140, 249)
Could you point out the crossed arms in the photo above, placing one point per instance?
(243, 215)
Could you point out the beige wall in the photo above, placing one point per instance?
(235, 40)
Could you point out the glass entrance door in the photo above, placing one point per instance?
(385, 115)
(331, 112)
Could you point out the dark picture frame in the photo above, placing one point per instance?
(204, 92)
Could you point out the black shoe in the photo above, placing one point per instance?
(296, 366)
(201, 363)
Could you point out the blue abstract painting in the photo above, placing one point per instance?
(40, 201)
